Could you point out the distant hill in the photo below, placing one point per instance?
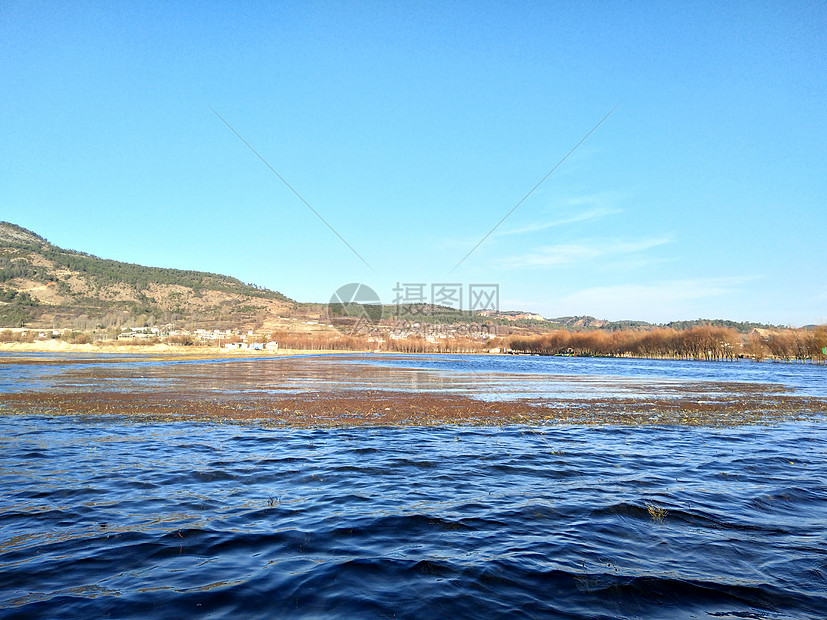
(742, 326)
(42, 285)
(578, 323)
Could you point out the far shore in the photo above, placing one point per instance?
(61, 346)
(112, 347)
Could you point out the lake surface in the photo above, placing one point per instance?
(478, 376)
(102, 516)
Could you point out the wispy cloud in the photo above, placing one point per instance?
(564, 211)
(569, 253)
(661, 300)
(583, 216)
(693, 288)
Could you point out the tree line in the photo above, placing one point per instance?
(327, 341)
(707, 342)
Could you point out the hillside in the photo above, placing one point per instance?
(531, 324)
(42, 285)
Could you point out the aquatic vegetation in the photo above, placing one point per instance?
(656, 512)
(323, 392)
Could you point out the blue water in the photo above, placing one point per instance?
(101, 517)
(478, 376)
(803, 379)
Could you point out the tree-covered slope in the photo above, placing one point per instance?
(40, 282)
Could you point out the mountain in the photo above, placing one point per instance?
(42, 285)
(11, 234)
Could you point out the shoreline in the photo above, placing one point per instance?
(194, 351)
(155, 350)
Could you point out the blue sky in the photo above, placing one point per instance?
(413, 128)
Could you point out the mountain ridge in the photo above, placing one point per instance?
(41, 284)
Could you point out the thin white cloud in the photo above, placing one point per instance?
(595, 198)
(662, 300)
(583, 216)
(634, 262)
(696, 288)
(569, 253)
(571, 210)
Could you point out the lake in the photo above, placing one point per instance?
(107, 515)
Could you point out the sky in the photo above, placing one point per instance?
(379, 143)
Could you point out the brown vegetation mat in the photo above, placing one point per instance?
(384, 408)
(334, 391)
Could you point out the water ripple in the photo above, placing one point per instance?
(174, 519)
